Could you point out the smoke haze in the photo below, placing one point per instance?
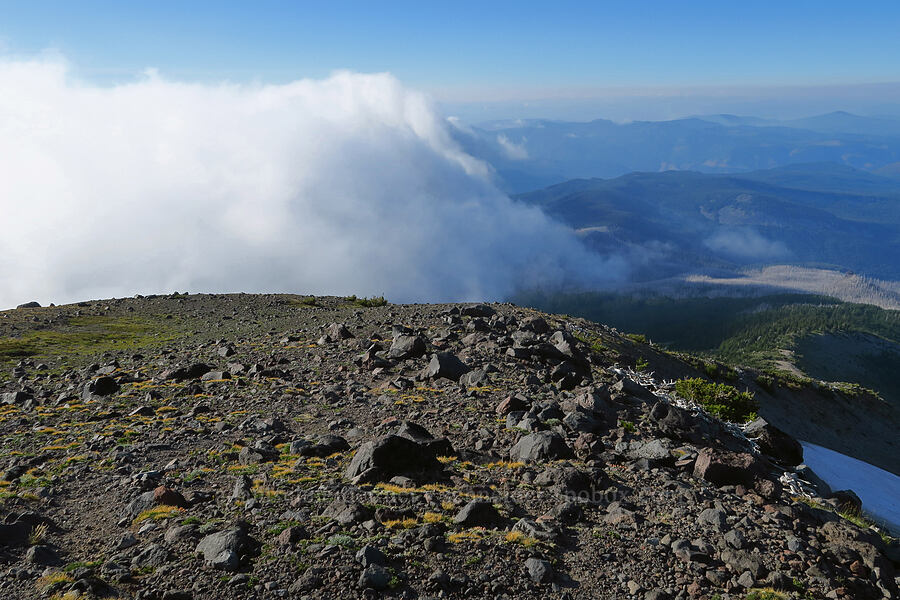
(350, 184)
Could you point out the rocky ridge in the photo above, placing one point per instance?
(272, 446)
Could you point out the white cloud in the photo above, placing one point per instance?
(350, 184)
(746, 243)
(513, 151)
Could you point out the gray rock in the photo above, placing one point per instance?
(564, 480)
(42, 555)
(746, 580)
(376, 577)
(414, 431)
(126, 541)
(657, 449)
(714, 517)
(346, 512)
(223, 550)
(15, 397)
(582, 421)
(153, 555)
(629, 388)
(513, 418)
(292, 535)
(444, 365)
(242, 488)
(407, 346)
(326, 445)
(686, 552)
(540, 446)
(143, 502)
(740, 561)
(474, 378)
(216, 376)
(618, 512)
(180, 533)
(389, 456)
(539, 570)
(774, 442)
(260, 452)
(536, 324)
(370, 555)
(337, 332)
(102, 386)
(736, 539)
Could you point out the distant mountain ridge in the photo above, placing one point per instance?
(815, 215)
(534, 153)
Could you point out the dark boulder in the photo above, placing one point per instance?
(583, 421)
(16, 397)
(774, 442)
(477, 310)
(627, 388)
(182, 373)
(407, 346)
(102, 386)
(225, 550)
(536, 324)
(477, 513)
(721, 467)
(346, 512)
(679, 424)
(325, 446)
(564, 480)
(540, 446)
(388, 456)
(445, 365)
(539, 570)
(512, 403)
(847, 501)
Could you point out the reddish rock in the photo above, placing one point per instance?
(510, 404)
(695, 590)
(859, 569)
(588, 444)
(168, 497)
(728, 468)
(291, 536)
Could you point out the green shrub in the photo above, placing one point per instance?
(372, 302)
(719, 399)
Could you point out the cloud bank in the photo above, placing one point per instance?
(350, 184)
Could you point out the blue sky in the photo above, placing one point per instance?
(472, 51)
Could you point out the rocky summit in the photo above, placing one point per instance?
(275, 446)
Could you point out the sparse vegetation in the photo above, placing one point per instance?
(158, 513)
(374, 301)
(38, 534)
(719, 399)
(86, 335)
(765, 594)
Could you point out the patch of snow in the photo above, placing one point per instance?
(878, 489)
